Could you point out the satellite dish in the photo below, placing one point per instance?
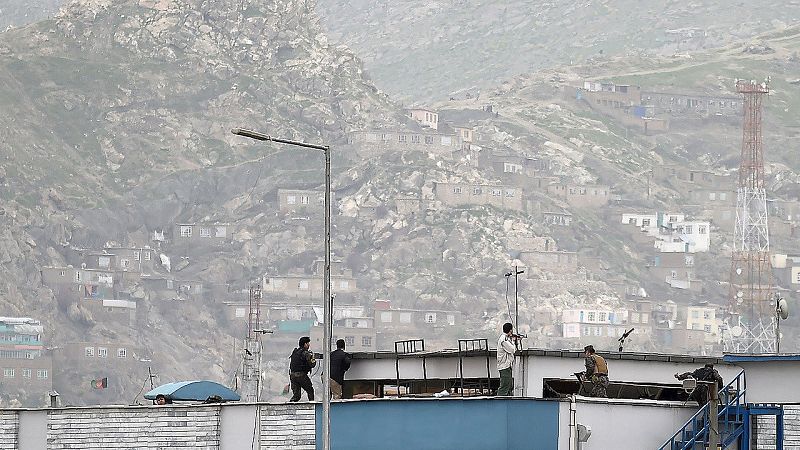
(736, 331)
(783, 309)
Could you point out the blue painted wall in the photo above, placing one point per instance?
(464, 424)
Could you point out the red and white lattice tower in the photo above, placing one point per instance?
(751, 321)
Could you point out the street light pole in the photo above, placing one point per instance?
(326, 291)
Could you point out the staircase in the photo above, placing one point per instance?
(733, 420)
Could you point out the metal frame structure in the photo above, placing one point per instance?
(409, 348)
(469, 348)
(251, 365)
(750, 324)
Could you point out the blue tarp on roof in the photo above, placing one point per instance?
(199, 390)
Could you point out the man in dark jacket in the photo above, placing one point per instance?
(302, 360)
(706, 373)
(340, 362)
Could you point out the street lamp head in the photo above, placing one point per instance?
(251, 134)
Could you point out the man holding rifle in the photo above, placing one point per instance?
(506, 346)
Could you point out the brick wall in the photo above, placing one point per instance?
(288, 426)
(134, 428)
(9, 427)
(764, 433)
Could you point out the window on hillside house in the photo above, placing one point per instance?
(102, 352)
(26, 373)
(415, 139)
(590, 316)
(89, 352)
(205, 232)
(122, 353)
(41, 374)
(366, 341)
(350, 340)
(497, 193)
(386, 317)
(405, 317)
(510, 192)
(429, 140)
(303, 199)
(456, 189)
(291, 199)
(430, 317)
(645, 222)
(302, 285)
(451, 319)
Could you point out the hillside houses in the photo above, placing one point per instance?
(465, 194)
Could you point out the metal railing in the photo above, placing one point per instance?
(694, 433)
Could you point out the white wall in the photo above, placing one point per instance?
(772, 381)
(528, 377)
(624, 424)
(538, 368)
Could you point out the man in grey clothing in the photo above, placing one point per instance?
(506, 346)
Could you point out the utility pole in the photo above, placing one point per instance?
(326, 295)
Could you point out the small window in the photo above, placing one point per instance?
(415, 139)
(586, 331)
(366, 341)
(77, 275)
(405, 317)
(401, 138)
(602, 317)
(430, 317)
(302, 285)
(510, 192)
(349, 340)
(712, 195)
(645, 222)
(707, 328)
(8, 373)
(674, 274)
(695, 314)
(497, 192)
(706, 315)
(26, 373)
(701, 229)
(124, 263)
(451, 319)
(88, 352)
(186, 231)
(220, 232)
(122, 353)
(476, 191)
(723, 196)
(136, 256)
(205, 232)
(631, 221)
(278, 283)
(687, 229)
(429, 140)
(291, 199)
(456, 190)
(386, 316)
(239, 313)
(644, 318)
(147, 256)
(102, 352)
(591, 316)
(303, 199)
(344, 284)
(41, 374)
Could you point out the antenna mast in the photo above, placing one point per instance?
(251, 366)
(751, 321)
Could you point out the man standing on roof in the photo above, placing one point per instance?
(706, 373)
(506, 346)
(340, 363)
(596, 372)
(300, 364)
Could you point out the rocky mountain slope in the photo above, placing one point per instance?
(118, 126)
(423, 50)
(16, 13)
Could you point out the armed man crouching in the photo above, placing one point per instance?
(596, 372)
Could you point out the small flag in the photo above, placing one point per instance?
(101, 383)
